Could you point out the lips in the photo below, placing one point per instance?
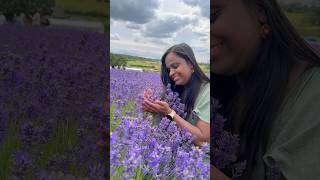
(174, 78)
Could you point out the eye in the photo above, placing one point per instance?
(216, 13)
(175, 66)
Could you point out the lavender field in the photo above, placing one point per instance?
(53, 110)
(145, 146)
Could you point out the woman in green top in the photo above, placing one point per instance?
(267, 79)
(180, 69)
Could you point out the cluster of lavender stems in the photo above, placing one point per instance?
(54, 84)
(141, 149)
(224, 145)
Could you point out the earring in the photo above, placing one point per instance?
(265, 29)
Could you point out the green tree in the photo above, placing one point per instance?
(113, 60)
(117, 61)
(12, 8)
(122, 62)
(9, 8)
(45, 7)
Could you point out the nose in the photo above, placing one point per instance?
(171, 73)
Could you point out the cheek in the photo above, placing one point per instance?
(185, 71)
(219, 27)
(241, 45)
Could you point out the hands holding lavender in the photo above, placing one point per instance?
(156, 106)
(160, 107)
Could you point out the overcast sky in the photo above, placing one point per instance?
(147, 28)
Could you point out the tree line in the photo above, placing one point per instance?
(12, 8)
(118, 61)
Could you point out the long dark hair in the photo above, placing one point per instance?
(189, 92)
(261, 91)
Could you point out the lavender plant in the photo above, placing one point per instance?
(224, 145)
(53, 89)
(140, 149)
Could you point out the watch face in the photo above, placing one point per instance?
(169, 117)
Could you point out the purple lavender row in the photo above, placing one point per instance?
(138, 149)
(54, 87)
(224, 145)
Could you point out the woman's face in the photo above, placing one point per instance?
(179, 69)
(235, 36)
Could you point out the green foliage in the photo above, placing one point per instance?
(11, 8)
(106, 28)
(9, 144)
(294, 7)
(205, 68)
(306, 19)
(145, 63)
(63, 139)
(313, 16)
(118, 61)
(114, 122)
(93, 7)
(8, 6)
(45, 7)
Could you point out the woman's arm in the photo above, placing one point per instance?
(201, 131)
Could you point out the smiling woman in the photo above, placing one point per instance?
(180, 69)
(267, 79)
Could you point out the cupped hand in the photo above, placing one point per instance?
(160, 107)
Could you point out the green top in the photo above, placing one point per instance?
(294, 145)
(202, 106)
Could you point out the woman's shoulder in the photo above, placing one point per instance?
(303, 101)
(202, 104)
(296, 129)
(306, 89)
(204, 92)
(205, 87)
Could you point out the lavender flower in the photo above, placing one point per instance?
(54, 87)
(22, 161)
(139, 149)
(3, 126)
(225, 145)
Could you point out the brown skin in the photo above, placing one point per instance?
(180, 71)
(238, 32)
(236, 37)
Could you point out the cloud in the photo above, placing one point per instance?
(204, 6)
(160, 42)
(136, 40)
(136, 11)
(201, 34)
(115, 36)
(200, 49)
(133, 26)
(166, 27)
(203, 39)
(165, 24)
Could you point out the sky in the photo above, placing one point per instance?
(147, 28)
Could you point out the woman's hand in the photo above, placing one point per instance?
(160, 107)
(147, 93)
